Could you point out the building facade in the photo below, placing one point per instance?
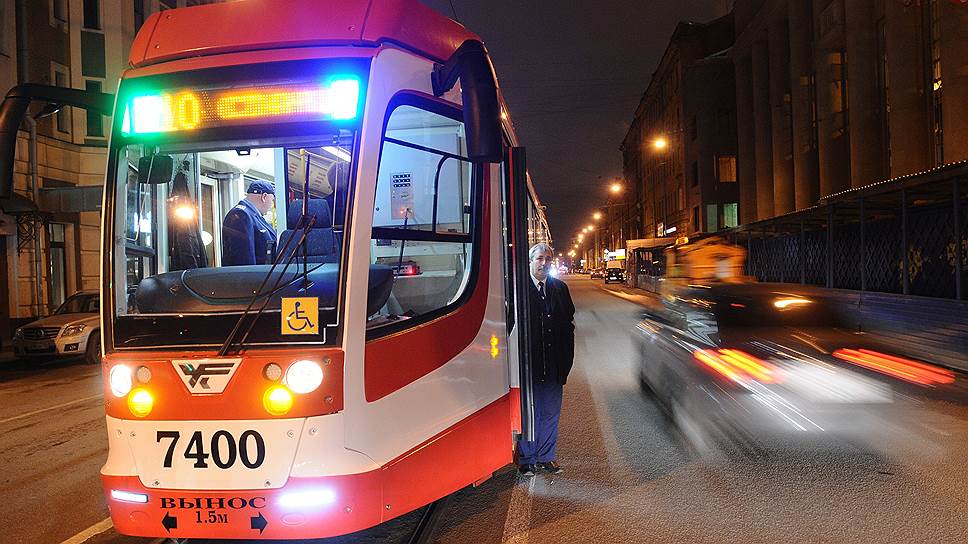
(679, 155)
(50, 231)
(838, 94)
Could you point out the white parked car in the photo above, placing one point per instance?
(72, 329)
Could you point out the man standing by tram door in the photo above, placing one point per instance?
(247, 238)
(552, 349)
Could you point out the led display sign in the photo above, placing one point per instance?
(338, 99)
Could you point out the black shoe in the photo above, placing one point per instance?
(527, 470)
(551, 467)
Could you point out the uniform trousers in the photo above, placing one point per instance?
(547, 407)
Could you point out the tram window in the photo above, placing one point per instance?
(202, 242)
(422, 214)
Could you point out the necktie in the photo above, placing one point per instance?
(541, 290)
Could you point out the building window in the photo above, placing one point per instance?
(95, 123)
(92, 14)
(934, 43)
(712, 217)
(695, 219)
(139, 14)
(59, 13)
(166, 4)
(693, 131)
(726, 168)
(58, 264)
(61, 77)
(694, 174)
(837, 66)
(730, 215)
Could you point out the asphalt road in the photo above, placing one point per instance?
(629, 475)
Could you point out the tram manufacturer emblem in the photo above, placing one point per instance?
(206, 376)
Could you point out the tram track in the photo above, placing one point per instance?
(430, 519)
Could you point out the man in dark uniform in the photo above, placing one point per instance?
(247, 238)
(552, 349)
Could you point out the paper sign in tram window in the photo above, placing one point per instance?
(300, 315)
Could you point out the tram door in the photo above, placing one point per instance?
(518, 212)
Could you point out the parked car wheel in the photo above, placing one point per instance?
(92, 355)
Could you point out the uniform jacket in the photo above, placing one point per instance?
(552, 338)
(247, 238)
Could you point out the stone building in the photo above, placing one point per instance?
(49, 231)
(679, 154)
(838, 94)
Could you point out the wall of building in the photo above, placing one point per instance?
(93, 54)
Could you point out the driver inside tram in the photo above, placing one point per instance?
(247, 237)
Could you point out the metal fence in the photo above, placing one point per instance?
(907, 235)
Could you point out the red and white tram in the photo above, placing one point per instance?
(368, 365)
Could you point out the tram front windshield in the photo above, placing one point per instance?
(193, 247)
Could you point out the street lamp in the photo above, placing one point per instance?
(590, 227)
(596, 216)
(616, 188)
(660, 143)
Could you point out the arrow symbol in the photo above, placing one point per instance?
(169, 522)
(259, 523)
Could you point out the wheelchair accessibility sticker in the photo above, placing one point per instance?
(300, 315)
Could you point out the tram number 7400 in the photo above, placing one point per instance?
(225, 449)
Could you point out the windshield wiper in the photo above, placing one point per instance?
(307, 224)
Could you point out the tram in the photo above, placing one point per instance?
(354, 356)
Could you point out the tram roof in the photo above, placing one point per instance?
(250, 25)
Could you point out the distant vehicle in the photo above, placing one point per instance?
(562, 270)
(73, 329)
(597, 273)
(615, 271)
(731, 361)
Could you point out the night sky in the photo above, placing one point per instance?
(572, 73)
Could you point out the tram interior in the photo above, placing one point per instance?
(185, 254)
(175, 237)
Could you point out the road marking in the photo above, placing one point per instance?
(42, 410)
(518, 523)
(93, 530)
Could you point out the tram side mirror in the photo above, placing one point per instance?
(482, 109)
(155, 169)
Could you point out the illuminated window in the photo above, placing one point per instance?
(726, 168)
(730, 215)
(712, 217)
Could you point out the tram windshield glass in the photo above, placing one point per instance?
(197, 234)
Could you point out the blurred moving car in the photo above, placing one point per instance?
(733, 361)
(73, 329)
(597, 273)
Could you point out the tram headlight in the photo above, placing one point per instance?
(277, 400)
(140, 402)
(120, 379)
(304, 376)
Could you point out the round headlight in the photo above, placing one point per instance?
(120, 379)
(140, 402)
(277, 400)
(143, 374)
(304, 376)
(272, 372)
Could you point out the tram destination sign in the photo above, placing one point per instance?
(194, 108)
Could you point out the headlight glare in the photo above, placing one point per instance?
(120, 380)
(73, 330)
(304, 376)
